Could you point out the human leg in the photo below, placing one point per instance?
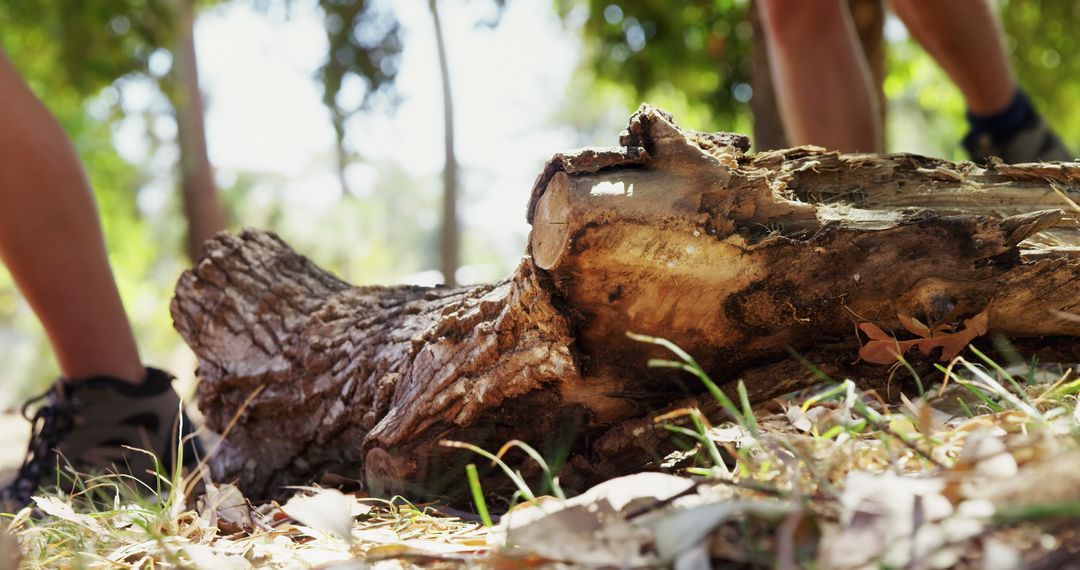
(965, 38)
(822, 79)
(51, 240)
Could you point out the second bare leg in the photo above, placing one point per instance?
(822, 79)
(964, 37)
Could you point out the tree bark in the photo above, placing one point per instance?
(736, 258)
(202, 205)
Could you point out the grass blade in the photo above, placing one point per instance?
(478, 494)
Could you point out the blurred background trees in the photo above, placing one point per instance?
(695, 58)
(325, 120)
(92, 45)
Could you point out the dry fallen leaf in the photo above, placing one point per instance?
(51, 505)
(592, 528)
(896, 521)
(883, 348)
(986, 454)
(326, 510)
(684, 529)
(798, 418)
(915, 326)
(592, 534)
(225, 506)
(206, 557)
(627, 493)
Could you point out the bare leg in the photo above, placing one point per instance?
(822, 78)
(51, 240)
(964, 36)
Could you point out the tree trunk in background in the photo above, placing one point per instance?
(202, 204)
(869, 19)
(341, 154)
(736, 258)
(450, 235)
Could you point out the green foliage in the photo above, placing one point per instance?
(95, 42)
(691, 57)
(365, 45)
(478, 494)
(1046, 55)
(925, 109)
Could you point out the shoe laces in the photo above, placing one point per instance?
(49, 424)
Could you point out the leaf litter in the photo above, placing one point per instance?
(982, 471)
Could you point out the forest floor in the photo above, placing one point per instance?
(980, 470)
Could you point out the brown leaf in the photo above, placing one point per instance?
(980, 323)
(874, 332)
(914, 326)
(885, 349)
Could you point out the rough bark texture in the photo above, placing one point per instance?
(735, 257)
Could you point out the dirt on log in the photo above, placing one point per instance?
(738, 258)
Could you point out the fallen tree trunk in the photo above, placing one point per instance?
(737, 258)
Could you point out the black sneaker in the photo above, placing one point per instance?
(1033, 143)
(88, 425)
